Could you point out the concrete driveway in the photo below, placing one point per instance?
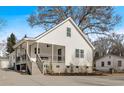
(11, 78)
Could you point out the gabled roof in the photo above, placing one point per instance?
(22, 41)
(110, 55)
(74, 24)
(52, 29)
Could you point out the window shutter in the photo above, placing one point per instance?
(77, 53)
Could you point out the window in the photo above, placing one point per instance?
(59, 51)
(35, 50)
(109, 62)
(59, 58)
(82, 53)
(77, 66)
(38, 50)
(45, 66)
(67, 66)
(102, 64)
(119, 63)
(59, 54)
(77, 53)
(68, 32)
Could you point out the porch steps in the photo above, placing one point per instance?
(35, 69)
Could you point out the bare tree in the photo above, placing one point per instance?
(117, 47)
(112, 44)
(90, 19)
(102, 46)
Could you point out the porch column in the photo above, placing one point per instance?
(20, 67)
(52, 57)
(27, 53)
(52, 53)
(27, 48)
(37, 48)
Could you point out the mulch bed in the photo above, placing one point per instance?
(77, 74)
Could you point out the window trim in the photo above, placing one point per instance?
(79, 53)
(68, 33)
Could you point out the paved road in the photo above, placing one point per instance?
(13, 78)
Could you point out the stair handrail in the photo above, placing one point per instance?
(29, 63)
(39, 62)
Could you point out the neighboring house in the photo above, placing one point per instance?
(62, 49)
(4, 63)
(110, 62)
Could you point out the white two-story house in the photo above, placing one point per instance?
(62, 49)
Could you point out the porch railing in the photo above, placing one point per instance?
(21, 58)
(56, 58)
(25, 59)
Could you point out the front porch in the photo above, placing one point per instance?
(42, 54)
(48, 52)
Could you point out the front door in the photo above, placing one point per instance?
(59, 54)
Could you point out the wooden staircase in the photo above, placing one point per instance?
(33, 68)
(39, 63)
(29, 64)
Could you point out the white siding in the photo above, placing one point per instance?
(59, 37)
(4, 63)
(114, 63)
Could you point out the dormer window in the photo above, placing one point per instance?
(68, 32)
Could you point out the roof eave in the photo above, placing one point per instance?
(22, 41)
(43, 34)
